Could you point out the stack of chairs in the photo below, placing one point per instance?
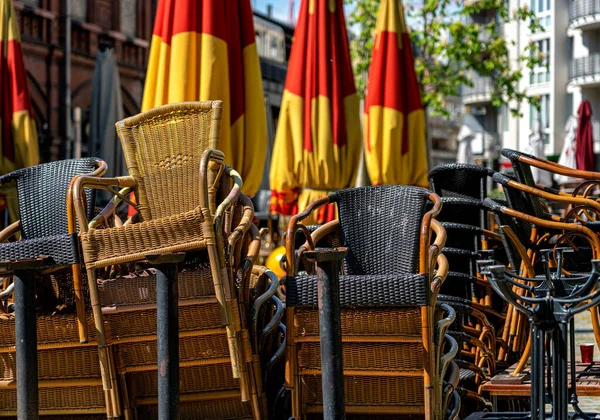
(232, 338)
(69, 372)
(528, 228)
(398, 359)
(480, 313)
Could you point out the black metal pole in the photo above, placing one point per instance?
(167, 291)
(26, 346)
(167, 319)
(330, 330)
(559, 372)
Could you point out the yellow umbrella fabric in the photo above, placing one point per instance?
(394, 124)
(205, 50)
(18, 135)
(317, 144)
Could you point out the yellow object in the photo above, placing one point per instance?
(394, 124)
(273, 262)
(205, 50)
(18, 134)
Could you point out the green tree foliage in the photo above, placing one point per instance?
(451, 46)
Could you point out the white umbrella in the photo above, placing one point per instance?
(536, 148)
(470, 130)
(567, 156)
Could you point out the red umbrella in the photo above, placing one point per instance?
(584, 143)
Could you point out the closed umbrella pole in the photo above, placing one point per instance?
(317, 143)
(18, 134)
(395, 134)
(205, 50)
(584, 138)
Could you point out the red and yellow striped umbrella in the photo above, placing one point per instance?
(18, 135)
(395, 141)
(205, 50)
(317, 145)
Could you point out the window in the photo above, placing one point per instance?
(79, 10)
(541, 73)
(129, 17)
(274, 48)
(543, 114)
(540, 6)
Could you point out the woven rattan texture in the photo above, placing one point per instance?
(465, 211)
(363, 291)
(225, 409)
(368, 356)
(61, 363)
(126, 324)
(162, 150)
(366, 390)
(182, 232)
(74, 397)
(380, 226)
(192, 379)
(364, 322)
(459, 180)
(140, 288)
(57, 328)
(144, 353)
(62, 249)
(42, 194)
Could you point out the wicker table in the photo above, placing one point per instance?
(588, 382)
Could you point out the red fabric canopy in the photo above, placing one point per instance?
(584, 141)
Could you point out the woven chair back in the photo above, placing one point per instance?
(459, 180)
(163, 148)
(381, 227)
(524, 175)
(42, 195)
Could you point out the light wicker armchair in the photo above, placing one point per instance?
(176, 172)
(393, 333)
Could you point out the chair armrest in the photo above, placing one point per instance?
(9, 231)
(505, 181)
(76, 196)
(293, 227)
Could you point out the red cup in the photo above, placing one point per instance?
(587, 353)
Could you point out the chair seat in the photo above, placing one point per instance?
(62, 249)
(363, 290)
(118, 245)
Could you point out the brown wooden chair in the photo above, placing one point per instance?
(393, 333)
(176, 171)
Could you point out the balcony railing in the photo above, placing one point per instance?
(584, 12)
(585, 69)
(480, 92)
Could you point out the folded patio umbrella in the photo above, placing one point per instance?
(567, 156)
(537, 148)
(106, 110)
(584, 139)
(317, 144)
(205, 50)
(18, 135)
(395, 141)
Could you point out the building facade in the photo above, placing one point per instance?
(584, 65)
(570, 73)
(125, 25)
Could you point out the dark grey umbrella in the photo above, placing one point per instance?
(106, 110)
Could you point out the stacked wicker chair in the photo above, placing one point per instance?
(68, 370)
(229, 315)
(396, 354)
(480, 313)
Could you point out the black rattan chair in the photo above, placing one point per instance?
(47, 244)
(388, 289)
